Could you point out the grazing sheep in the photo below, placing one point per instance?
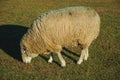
(71, 26)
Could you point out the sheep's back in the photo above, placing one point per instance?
(68, 25)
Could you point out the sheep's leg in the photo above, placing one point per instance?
(50, 59)
(84, 55)
(63, 63)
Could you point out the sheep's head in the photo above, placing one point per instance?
(26, 54)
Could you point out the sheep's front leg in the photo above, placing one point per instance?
(50, 59)
(84, 55)
(63, 63)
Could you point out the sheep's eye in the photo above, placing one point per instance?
(24, 49)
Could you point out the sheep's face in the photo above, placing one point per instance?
(26, 55)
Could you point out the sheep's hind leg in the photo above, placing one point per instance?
(63, 63)
(84, 55)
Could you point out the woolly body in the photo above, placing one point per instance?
(60, 28)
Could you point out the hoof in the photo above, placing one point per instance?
(79, 62)
(63, 65)
(49, 61)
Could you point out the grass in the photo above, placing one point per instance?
(104, 59)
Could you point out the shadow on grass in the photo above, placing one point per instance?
(10, 36)
(71, 53)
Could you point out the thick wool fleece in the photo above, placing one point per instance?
(64, 27)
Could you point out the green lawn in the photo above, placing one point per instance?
(102, 64)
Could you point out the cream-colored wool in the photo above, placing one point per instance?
(60, 28)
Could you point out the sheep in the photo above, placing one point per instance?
(53, 30)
